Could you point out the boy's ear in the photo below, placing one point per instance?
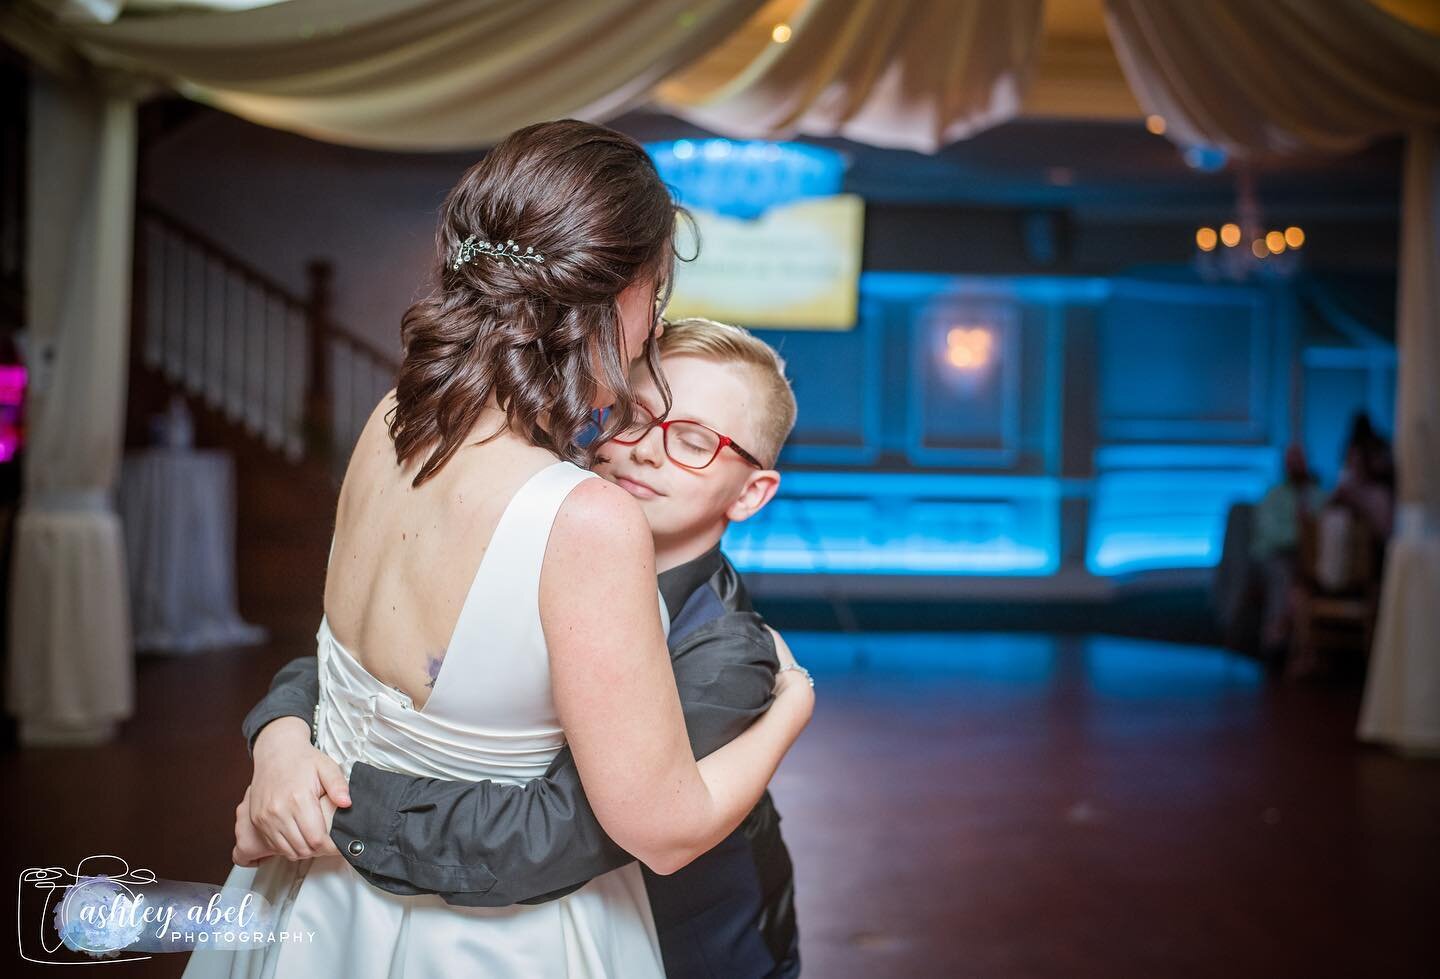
(759, 489)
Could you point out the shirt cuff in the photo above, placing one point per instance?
(365, 832)
(369, 835)
(263, 713)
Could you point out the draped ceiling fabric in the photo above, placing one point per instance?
(1288, 76)
(416, 74)
(914, 75)
(71, 677)
(1283, 76)
(106, 11)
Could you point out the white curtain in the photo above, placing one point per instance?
(915, 74)
(71, 672)
(106, 11)
(1402, 692)
(1282, 76)
(409, 74)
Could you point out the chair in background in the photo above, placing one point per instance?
(1337, 594)
(1236, 590)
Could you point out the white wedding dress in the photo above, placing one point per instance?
(489, 716)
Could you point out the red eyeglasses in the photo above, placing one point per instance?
(687, 442)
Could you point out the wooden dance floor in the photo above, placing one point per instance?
(973, 805)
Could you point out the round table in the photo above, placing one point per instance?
(178, 509)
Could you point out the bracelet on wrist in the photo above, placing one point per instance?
(800, 669)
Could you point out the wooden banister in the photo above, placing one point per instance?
(219, 327)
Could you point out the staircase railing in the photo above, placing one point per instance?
(270, 361)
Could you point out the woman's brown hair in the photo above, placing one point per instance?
(590, 201)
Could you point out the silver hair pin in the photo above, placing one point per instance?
(471, 248)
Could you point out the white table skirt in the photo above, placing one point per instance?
(178, 509)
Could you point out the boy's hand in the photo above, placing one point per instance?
(294, 791)
(250, 848)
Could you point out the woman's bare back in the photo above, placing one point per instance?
(404, 558)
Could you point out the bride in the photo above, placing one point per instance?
(488, 599)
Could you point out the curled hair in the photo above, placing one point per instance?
(591, 201)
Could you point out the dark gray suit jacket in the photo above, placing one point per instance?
(490, 844)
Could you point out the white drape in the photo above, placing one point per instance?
(1282, 76)
(415, 74)
(915, 74)
(107, 11)
(71, 672)
(460, 74)
(1402, 692)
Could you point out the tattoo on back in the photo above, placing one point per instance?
(433, 669)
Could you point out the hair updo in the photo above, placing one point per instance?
(589, 200)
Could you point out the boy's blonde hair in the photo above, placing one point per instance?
(726, 344)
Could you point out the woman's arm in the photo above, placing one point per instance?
(615, 692)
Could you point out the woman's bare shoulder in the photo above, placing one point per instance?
(381, 413)
(373, 445)
(599, 523)
(379, 421)
(599, 568)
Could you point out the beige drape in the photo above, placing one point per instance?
(416, 74)
(915, 74)
(1402, 692)
(1281, 76)
(107, 11)
(71, 676)
(1286, 76)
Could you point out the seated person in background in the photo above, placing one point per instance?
(1275, 546)
(1366, 486)
(1344, 551)
(729, 913)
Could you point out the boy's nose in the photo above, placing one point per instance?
(651, 447)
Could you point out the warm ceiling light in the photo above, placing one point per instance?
(1275, 241)
(1156, 124)
(1206, 239)
(1294, 237)
(780, 34)
(1258, 249)
(1230, 234)
(969, 349)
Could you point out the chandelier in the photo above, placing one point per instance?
(1243, 249)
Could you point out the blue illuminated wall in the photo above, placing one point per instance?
(929, 438)
(903, 523)
(1193, 406)
(1112, 423)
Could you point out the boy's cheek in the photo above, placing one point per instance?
(678, 510)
